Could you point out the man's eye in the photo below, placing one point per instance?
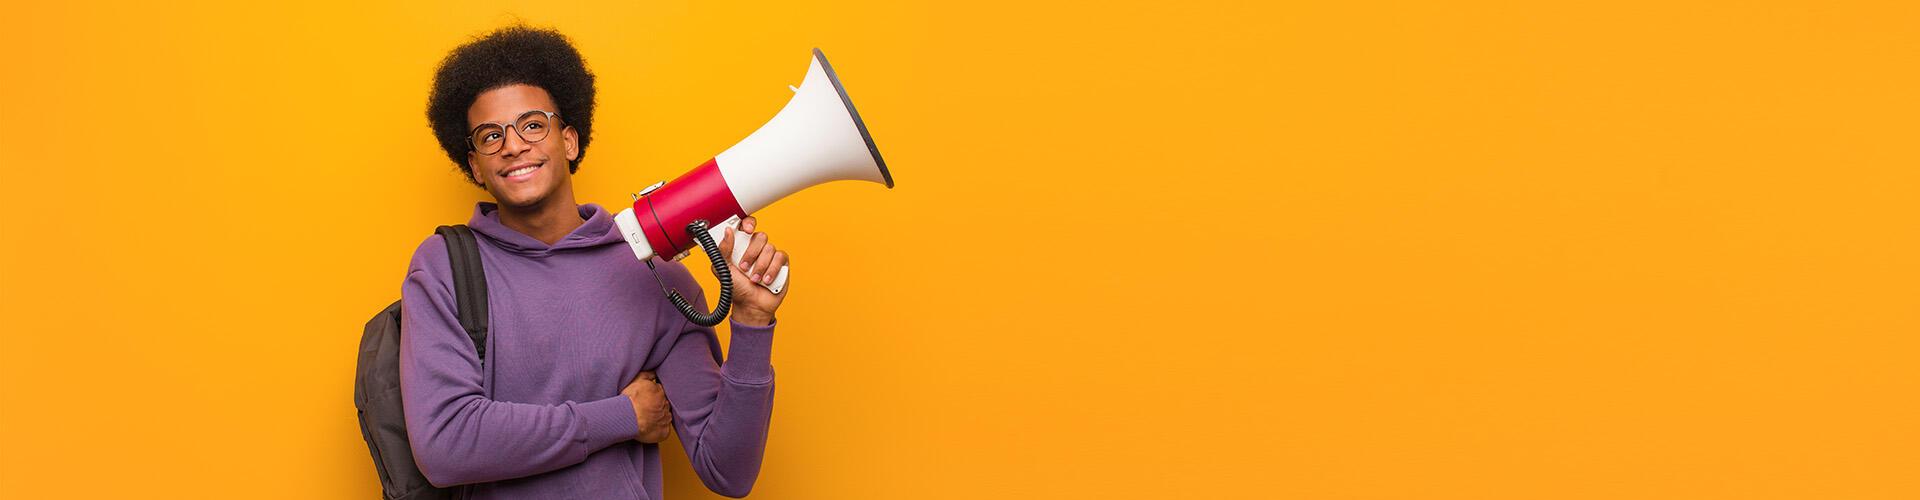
(491, 136)
(535, 126)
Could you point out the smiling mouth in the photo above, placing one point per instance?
(520, 173)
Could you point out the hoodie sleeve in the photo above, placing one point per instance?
(721, 410)
(459, 436)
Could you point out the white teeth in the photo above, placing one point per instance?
(521, 171)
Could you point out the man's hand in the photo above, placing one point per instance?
(650, 406)
(753, 303)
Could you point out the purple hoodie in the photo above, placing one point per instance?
(570, 325)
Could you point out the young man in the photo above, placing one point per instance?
(565, 404)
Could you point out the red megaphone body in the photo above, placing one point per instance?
(816, 138)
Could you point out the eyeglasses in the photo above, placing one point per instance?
(532, 126)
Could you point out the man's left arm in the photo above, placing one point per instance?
(722, 410)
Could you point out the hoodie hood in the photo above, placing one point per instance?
(597, 231)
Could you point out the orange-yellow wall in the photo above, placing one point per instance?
(1333, 249)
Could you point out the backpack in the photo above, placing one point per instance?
(376, 379)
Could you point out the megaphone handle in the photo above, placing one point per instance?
(779, 281)
(740, 242)
(698, 230)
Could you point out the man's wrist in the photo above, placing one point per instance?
(750, 317)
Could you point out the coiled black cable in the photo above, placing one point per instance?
(698, 230)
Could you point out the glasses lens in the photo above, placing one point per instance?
(488, 138)
(533, 126)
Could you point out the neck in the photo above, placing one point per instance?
(549, 221)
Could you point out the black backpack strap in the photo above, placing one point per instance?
(469, 283)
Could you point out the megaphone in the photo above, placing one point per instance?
(817, 138)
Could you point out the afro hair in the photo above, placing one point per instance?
(512, 55)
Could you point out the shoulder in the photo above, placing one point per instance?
(430, 264)
(430, 254)
(675, 274)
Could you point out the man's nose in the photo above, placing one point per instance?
(513, 145)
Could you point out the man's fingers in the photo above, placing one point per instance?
(743, 229)
(760, 263)
(753, 251)
(773, 268)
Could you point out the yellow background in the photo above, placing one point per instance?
(1138, 249)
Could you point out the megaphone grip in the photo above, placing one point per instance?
(779, 281)
(740, 242)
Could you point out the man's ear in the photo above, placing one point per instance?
(573, 142)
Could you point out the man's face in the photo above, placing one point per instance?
(540, 168)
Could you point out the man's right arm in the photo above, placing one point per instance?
(457, 434)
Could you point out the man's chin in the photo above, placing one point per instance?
(520, 198)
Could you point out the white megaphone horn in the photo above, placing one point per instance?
(817, 138)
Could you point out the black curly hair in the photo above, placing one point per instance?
(512, 55)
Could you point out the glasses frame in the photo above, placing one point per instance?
(553, 120)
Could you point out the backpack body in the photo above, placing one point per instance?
(376, 382)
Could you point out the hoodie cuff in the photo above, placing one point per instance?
(608, 421)
(750, 357)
